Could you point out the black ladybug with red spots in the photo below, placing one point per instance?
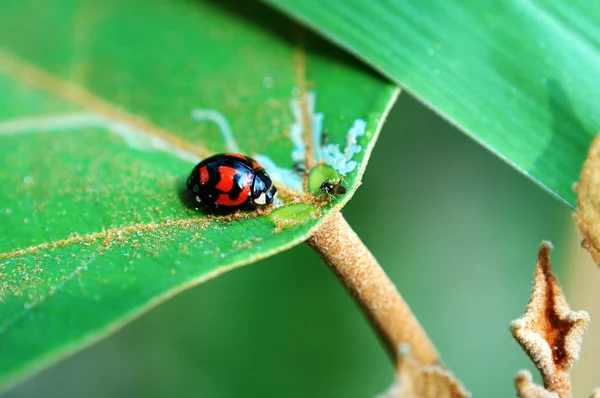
(230, 181)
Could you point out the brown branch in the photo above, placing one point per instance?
(414, 380)
(343, 251)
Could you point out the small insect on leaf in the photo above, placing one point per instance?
(332, 188)
(230, 181)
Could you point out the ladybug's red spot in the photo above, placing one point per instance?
(227, 178)
(204, 177)
(225, 200)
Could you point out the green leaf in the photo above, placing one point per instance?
(519, 76)
(105, 109)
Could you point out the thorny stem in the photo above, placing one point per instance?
(358, 270)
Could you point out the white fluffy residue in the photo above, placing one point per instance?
(286, 176)
(342, 161)
(331, 154)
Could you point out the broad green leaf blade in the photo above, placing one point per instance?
(106, 107)
(519, 76)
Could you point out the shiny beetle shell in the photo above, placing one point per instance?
(231, 181)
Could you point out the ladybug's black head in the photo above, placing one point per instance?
(263, 190)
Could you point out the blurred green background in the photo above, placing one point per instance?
(456, 228)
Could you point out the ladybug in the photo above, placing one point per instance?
(230, 181)
(331, 188)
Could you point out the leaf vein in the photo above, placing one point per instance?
(42, 80)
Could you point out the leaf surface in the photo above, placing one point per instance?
(105, 109)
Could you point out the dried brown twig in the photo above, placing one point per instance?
(526, 388)
(549, 332)
(413, 380)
